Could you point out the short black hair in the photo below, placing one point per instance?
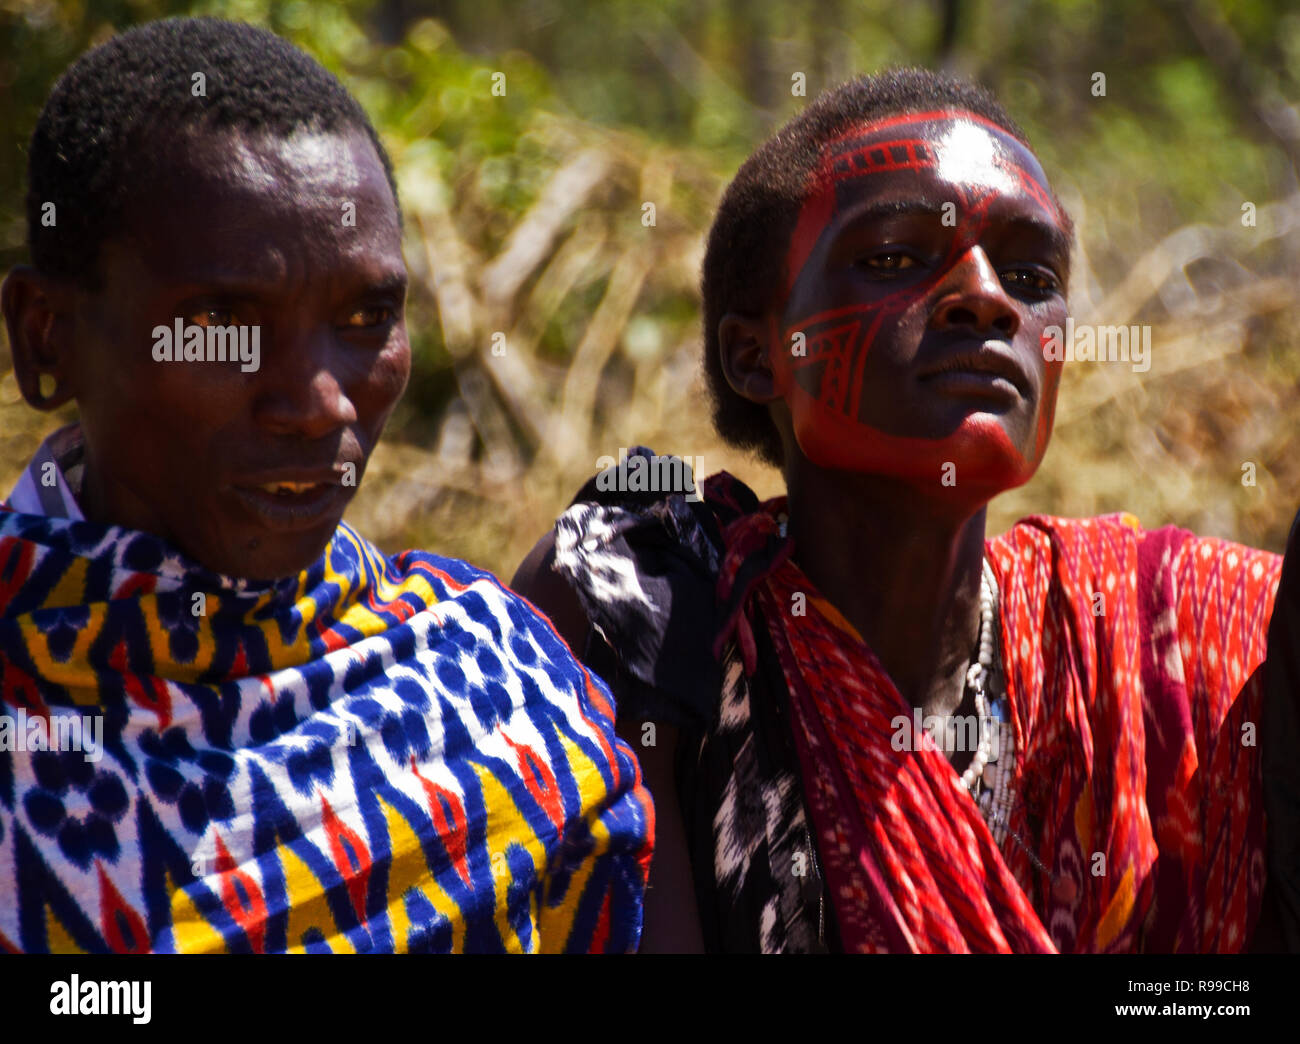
(102, 127)
(745, 258)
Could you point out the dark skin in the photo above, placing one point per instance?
(247, 473)
(897, 551)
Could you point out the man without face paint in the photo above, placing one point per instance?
(896, 734)
(306, 745)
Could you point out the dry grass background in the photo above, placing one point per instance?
(602, 351)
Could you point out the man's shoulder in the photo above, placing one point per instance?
(1049, 537)
(476, 592)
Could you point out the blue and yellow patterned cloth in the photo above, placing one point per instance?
(379, 754)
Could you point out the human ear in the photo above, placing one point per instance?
(745, 345)
(37, 313)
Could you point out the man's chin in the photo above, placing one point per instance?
(268, 556)
(256, 537)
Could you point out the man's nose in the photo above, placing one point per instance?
(971, 295)
(303, 392)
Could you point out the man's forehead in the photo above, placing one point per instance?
(960, 147)
(235, 195)
(305, 165)
(978, 159)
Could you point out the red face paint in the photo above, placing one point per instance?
(916, 162)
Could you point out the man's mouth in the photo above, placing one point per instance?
(990, 369)
(292, 503)
(287, 488)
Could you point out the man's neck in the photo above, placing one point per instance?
(905, 574)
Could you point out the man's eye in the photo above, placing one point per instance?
(1031, 279)
(363, 318)
(888, 262)
(213, 317)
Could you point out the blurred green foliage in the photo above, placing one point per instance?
(1174, 139)
(1194, 121)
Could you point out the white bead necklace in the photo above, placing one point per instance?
(995, 800)
(976, 678)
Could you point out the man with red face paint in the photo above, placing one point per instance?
(876, 728)
(958, 195)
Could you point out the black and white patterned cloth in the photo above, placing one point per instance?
(645, 567)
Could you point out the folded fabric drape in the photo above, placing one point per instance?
(1135, 729)
(1130, 661)
(377, 754)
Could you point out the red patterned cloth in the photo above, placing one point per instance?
(1136, 776)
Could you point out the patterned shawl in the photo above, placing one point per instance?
(1138, 772)
(1136, 818)
(376, 755)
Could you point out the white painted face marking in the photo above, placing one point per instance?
(968, 154)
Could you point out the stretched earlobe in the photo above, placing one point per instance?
(744, 345)
(34, 309)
